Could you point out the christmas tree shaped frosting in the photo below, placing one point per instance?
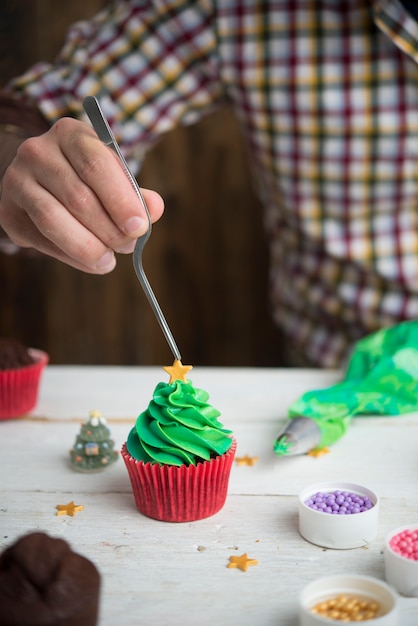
(179, 427)
(93, 448)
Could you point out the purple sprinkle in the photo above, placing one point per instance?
(339, 502)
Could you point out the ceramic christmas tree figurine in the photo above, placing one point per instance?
(94, 448)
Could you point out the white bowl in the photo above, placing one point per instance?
(340, 532)
(359, 586)
(401, 572)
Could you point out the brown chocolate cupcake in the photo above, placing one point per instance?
(13, 354)
(43, 582)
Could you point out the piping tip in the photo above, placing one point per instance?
(299, 436)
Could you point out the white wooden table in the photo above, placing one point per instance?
(176, 574)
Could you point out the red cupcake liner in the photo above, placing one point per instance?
(19, 387)
(180, 494)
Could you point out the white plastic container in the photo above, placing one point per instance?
(358, 586)
(340, 532)
(401, 572)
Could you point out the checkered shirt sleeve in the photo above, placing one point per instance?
(152, 65)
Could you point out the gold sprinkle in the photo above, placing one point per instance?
(316, 452)
(345, 608)
(69, 509)
(246, 460)
(241, 562)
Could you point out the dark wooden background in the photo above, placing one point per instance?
(206, 259)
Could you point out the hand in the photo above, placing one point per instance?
(66, 195)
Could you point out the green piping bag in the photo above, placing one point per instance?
(381, 379)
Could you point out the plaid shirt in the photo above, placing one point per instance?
(326, 93)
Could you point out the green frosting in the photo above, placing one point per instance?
(178, 428)
(283, 446)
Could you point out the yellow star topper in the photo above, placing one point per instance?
(241, 562)
(177, 371)
(69, 509)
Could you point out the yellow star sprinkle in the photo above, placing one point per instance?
(246, 460)
(177, 371)
(316, 452)
(69, 509)
(241, 562)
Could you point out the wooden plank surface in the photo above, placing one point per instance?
(176, 574)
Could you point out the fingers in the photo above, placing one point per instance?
(66, 194)
(79, 250)
(100, 170)
(101, 185)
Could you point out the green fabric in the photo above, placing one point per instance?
(381, 379)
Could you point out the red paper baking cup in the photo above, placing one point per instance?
(19, 387)
(180, 494)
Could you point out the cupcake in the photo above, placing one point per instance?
(178, 455)
(20, 374)
(43, 581)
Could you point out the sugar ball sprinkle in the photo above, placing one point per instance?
(347, 608)
(339, 502)
(405, 543)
